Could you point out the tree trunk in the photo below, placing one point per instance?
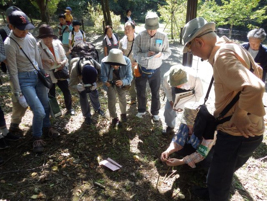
(230, 31)
(106, 12)
(42, 4)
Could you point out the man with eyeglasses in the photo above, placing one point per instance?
(232, 72)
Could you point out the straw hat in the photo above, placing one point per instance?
(190, 113)
(195, 28)
(115, 57)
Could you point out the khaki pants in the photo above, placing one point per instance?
(112, 100)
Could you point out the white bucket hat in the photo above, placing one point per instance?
(195, 28)
(115, 57)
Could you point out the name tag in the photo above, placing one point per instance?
(159, 42)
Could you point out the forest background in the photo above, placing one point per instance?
(237, 15)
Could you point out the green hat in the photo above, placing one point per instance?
(177, 77)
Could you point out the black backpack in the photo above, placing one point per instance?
(4, 36)
(85, 50)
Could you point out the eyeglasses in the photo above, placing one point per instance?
(188, 46)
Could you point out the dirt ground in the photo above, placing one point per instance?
(69, 168)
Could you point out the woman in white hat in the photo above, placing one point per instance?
(116, 73)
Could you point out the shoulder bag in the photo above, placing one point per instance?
(45, 78)
(205, 124)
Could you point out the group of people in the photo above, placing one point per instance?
(130, 63)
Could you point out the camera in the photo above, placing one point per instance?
(112, 83)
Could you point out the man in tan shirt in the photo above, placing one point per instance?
(232, 72)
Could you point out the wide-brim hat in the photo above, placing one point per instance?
(152, 21)
(46, 31)
(20, 20)
(189, 113)
(177, 76)
(115, 57)
(195, 28)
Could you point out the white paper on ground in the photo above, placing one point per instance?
(111, 164)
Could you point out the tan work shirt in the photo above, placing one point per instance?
(231, 66)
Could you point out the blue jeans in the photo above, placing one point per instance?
(85, 106)
(230, 153)
(36, 96)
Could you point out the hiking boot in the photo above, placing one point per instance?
(140, 114)
(12, 137)
(101, 112)
(50, 132)
(88, 121)
(114, 122)
(70, 112)
(3, 143)
(38, 145)
(169, 130)
(14, 128)
(132, 102)
(123, 117)
(155, 118)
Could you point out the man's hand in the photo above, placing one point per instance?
(119, 83)
(175, 162)
(243, 124)
(158, 55)
(151, 53)
(80, 87)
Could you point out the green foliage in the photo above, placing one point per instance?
(173, 14)
(51, 6)
(96, 16)
(233, 13)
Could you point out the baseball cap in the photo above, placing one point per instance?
(20, 20)
(10, 9)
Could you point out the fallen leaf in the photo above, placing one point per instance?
(34, 197)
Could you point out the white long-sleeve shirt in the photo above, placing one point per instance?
(194, 82)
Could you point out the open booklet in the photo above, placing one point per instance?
(180, 96)
(111, 164)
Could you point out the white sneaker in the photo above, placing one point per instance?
(140, 114)
(155, 118)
